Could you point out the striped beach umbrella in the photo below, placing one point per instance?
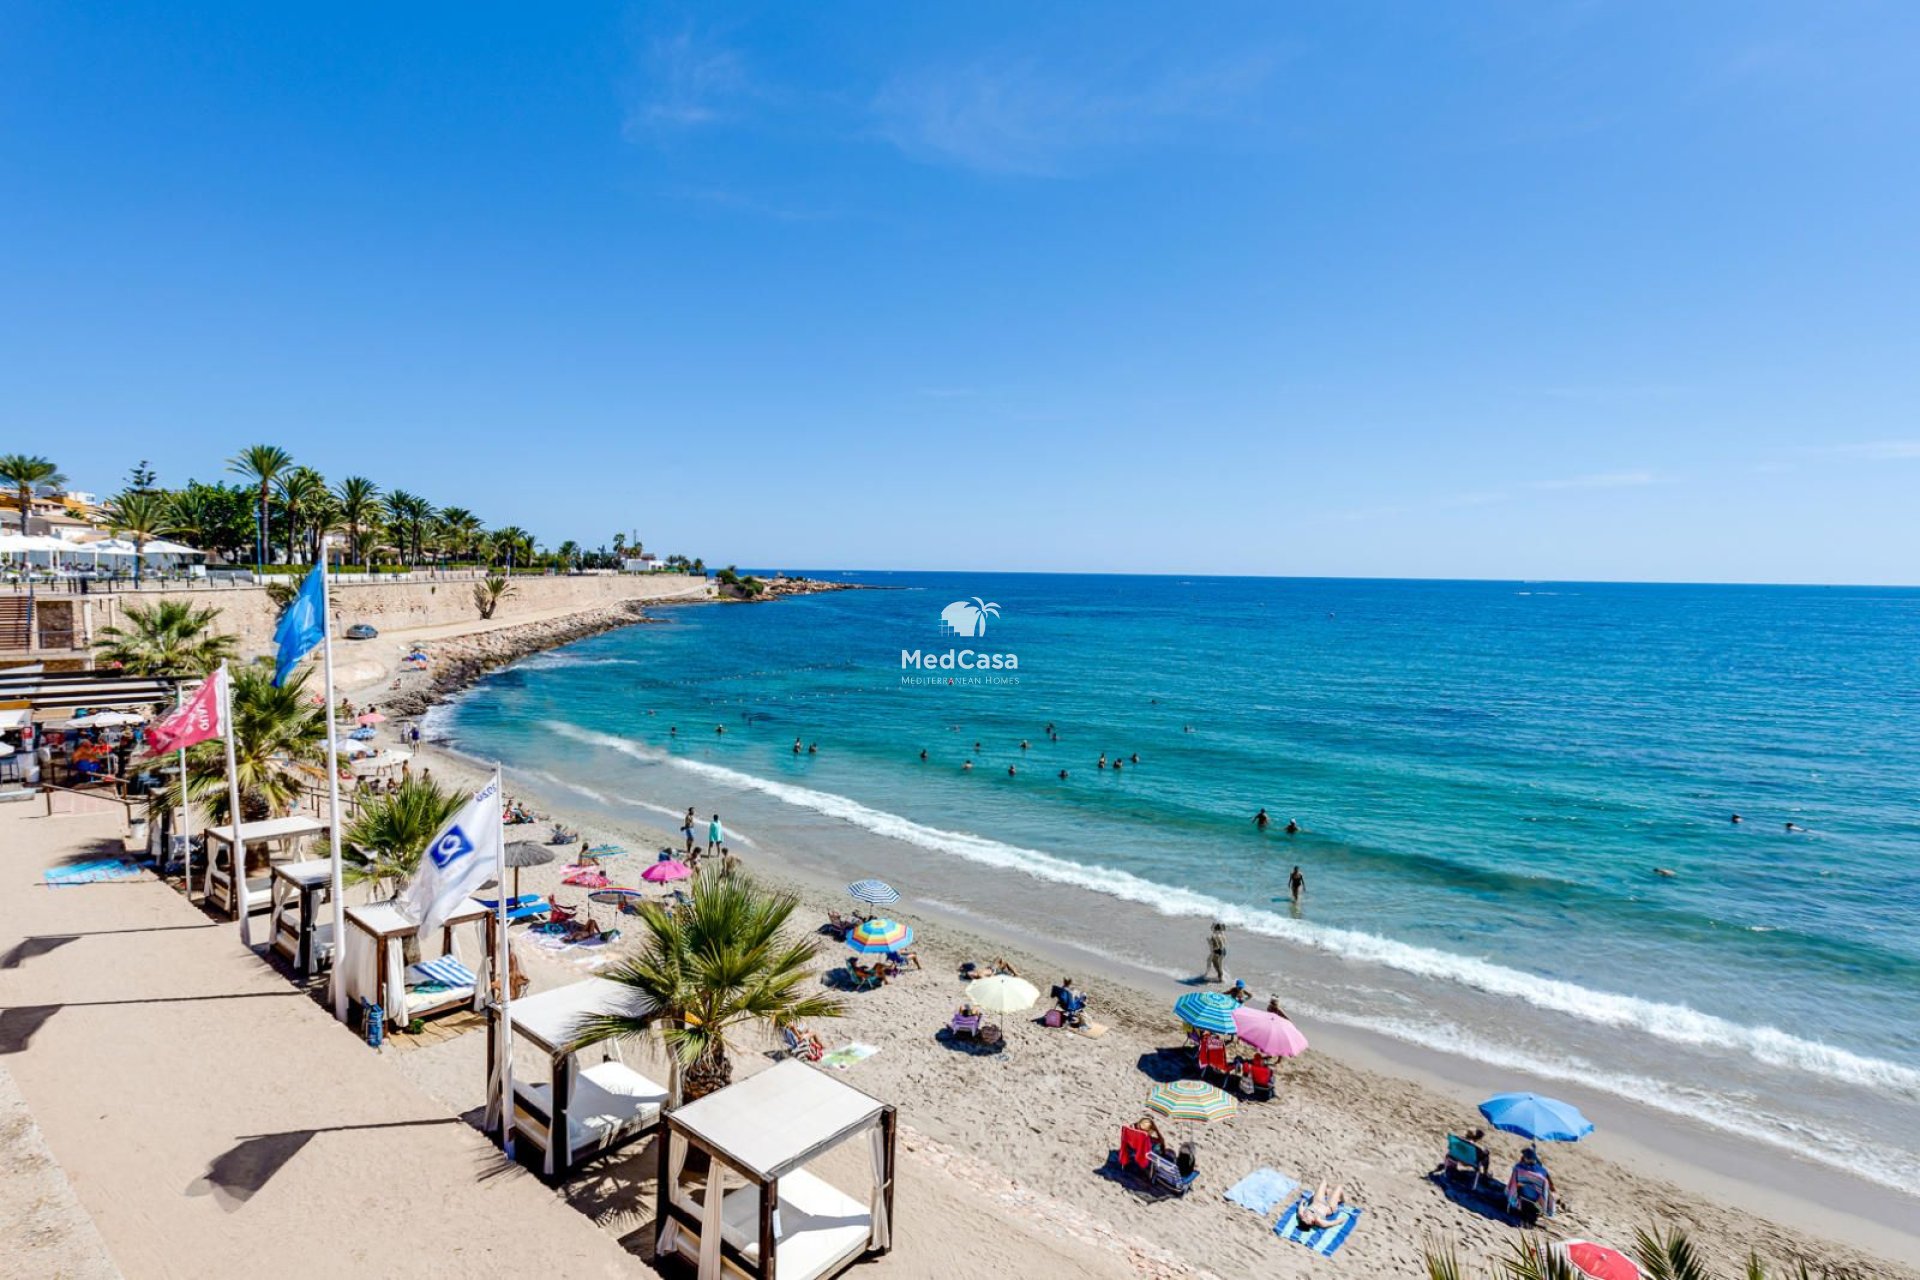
(876, 893)
(1207, 1010)
(880, 935)
(1191, 1100)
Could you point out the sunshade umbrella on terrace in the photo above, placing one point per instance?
(1597, 1261)
(1002, 994)
(1532, 1116)
(879, 935)
(1207, 1010)
(1268, 1033)
(1192, 1101)
(525, 853)
(662, 872)
(875, 893)
(106, 720)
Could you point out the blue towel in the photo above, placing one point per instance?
(92, 872)
(1322, 1240)
(1261, 1190)
(446, 970)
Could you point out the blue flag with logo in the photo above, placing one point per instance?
(302, 626)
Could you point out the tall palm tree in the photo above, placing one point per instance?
(27, 472)
(143, 517)
(279, 747)
(359, 507)
(300, 489)
(569, 554)
(723, 963)
(464, 526)
(490, 591)
(385, 842)
(170, 638)
(262, 464)
(513, 544)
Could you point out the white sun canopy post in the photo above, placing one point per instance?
(371, 962)
(295, 930)
(761, 1132)
(578, 1112)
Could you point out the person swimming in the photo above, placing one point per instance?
(1103, 760)
(1293, 828)
(923, 753)
(1063, 775)
(1134, 758)
(1011, 771)
(967, 767)
(1023, 744)
(1261, 820)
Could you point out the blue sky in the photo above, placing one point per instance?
(1481, 289)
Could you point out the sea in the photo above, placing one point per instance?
(1515, 804)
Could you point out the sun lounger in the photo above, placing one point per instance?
(1464, 1157)
(866, 981)
(1163, 1175)
(528, 906)
(1529, 1196)
(965, 1025)
(1212, 1058)
(1256, 1080)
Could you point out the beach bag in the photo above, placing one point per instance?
(1054, 1018)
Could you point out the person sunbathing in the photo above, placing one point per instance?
(1320, 1210)
(901, 959)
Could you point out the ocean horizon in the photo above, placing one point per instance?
(1515, 802)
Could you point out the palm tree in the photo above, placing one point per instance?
(464, 526)
(263, 464)
(513, 543)
(722, 963)
(489, 592)
(385, 842)
(359, 505)
(278, 747)
(569, 554)
(142, 517)
(1662, 1254)
(26, 472)
(171, 638)
(301, 490)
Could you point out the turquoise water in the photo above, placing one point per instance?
(1489, 778)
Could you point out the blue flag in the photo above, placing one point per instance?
(302, 626)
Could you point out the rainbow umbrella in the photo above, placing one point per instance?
(880, 935)
(1268, 1033)
(1207, 1010)
(1191, 1100)
(662, 872)
(1597, 1262)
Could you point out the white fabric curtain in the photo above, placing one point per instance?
(396, 983)
(669, 1240)
(358, 965)
(470, 949)
(710, 1218)
(881, 1236)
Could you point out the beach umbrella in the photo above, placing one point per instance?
(1192, 1101)
(662, 872)
(1597, 1262)
(586, 877)
(1207, 1010)
(525, 853)
(105, 720)
(1002, 993)
(369, 717)
(879, 935)
(1268, 1033)
(627, 900)
(1532, 1116)
(875, 893)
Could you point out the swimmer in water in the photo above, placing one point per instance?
(1297, 885)
(1735, 818)
(1794, 826)
(1116, 766)
(1011, 771)
(1063, 775)
(1103, 761)
(719, 728)
(796, 746)
(1135, 757)
(1293, 828)
(923, 753)
(1261, 820)
(813, 748)
(967, 767)
(1023, 744)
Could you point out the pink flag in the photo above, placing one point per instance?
(197, 720)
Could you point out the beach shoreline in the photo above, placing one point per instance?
(1730, 1194)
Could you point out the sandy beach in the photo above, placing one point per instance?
(1031, 1128)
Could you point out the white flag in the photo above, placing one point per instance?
(458, 860)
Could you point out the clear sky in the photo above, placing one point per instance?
(1469, 289)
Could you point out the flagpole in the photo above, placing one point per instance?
(503, 960)
(186, 809)
(336, 877)
(237, 849)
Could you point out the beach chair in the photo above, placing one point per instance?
(867, 979)
(1529, 1196)
(1213, 1058)
(1464, 1157)
(1163, 1175)
(805, 1050)
(1135, 1146)
(528, 906)
(1256, 1080)
(965, 1026)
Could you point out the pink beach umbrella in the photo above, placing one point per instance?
(1597, 1262)
(662, 872)
(369, 717)
(1268, 1033)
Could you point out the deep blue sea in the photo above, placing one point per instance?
(1491, 781)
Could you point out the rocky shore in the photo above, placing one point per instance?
(461, 660)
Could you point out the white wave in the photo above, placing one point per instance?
(557, 661)
(1674, 1023)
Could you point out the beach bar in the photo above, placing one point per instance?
(762, 1131)
(278, 834)
(376, 969)
(298, 934)
(577, 1113)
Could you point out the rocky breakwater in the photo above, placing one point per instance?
(457, 662)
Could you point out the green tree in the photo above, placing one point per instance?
(279, 748)
(569, 554)
(169, 638)
(383, 845)
(216, 518)
(143, 517)
(708, 971)
(1663, 1254)
(262, 464)
(27, 472)
(489, 592)
(299, 490)
(359, 500)
(142, 479)
(465, 528)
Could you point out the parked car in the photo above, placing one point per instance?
(361, 631)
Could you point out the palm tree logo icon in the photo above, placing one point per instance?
(967, 617)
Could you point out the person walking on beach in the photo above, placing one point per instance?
(1297, 885)
(1217, 952)
(686, 828)
(716, 836)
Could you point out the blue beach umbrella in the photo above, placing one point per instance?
(877, 893)
(1207, 1010)
(1532, 1116)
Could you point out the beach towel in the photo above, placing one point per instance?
(847, 1055)
(1322, 1240)
(445, 970)
(1091, 1030)
(1261, 1190)
(92, 872)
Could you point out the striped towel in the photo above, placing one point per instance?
(1322, 1240)
(446, 971)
